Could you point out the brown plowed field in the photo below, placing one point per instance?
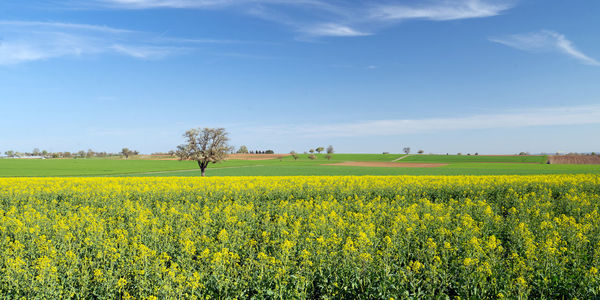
(385, 164)
(575, 159)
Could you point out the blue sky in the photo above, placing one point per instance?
(364, 76)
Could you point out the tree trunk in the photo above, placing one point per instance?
(202, 167)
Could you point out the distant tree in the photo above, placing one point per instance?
(523, 153)
(312, 156)
(329, 149)
(406, 150)
(311, 151)
(126, 152)
(90, 153)
(10, 153)
(243, 150)
(320, 149)
(420, 151)
(36, 152)
(44, 153)
(208, 145)
(81, 154)
(476, 153)
(269, 152)
(385, 152)
(328, 156)
(171, 153)
(294, 154)
(458, 153)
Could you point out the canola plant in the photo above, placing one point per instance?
(330, 237)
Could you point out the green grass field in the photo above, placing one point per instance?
(287, 166)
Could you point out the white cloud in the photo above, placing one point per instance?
(334, 18)
(145, 52)
(545, 41)
(207, 4)
(440, 10)
(23, 41)
(558, 116)
(332, 29)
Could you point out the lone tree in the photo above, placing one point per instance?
(243, 150)
(126, 152)
(320, 149)
(406, 150)
(294, 154)
(208, 145)
(330, 149)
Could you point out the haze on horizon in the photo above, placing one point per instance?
(486, 76)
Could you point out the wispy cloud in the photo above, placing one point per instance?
(316, 18)
(23, 41)
(557, 116)
(545, 41)
(332, 29)
(440, 10)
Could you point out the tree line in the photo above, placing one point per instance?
(125, 152)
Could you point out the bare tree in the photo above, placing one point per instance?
(126, 152)
(208, 145)
(319, 149)
(330, 149)
(406, 150)
(243, 150)
(294, 154)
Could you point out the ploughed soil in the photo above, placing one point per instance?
(385, 164)
(255, 156)
(575, 159)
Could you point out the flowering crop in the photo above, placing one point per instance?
(301, 237)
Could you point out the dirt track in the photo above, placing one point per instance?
(385, 164)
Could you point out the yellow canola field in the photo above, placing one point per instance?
(370, 237)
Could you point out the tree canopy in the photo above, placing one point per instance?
(208, 145)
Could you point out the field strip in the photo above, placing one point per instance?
(401, 157)
(176, 171)
(386, 164)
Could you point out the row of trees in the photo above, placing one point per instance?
(244, 150)
(312, 151)
(67, 154)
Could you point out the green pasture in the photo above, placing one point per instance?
(432, 158)
(287, 166)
